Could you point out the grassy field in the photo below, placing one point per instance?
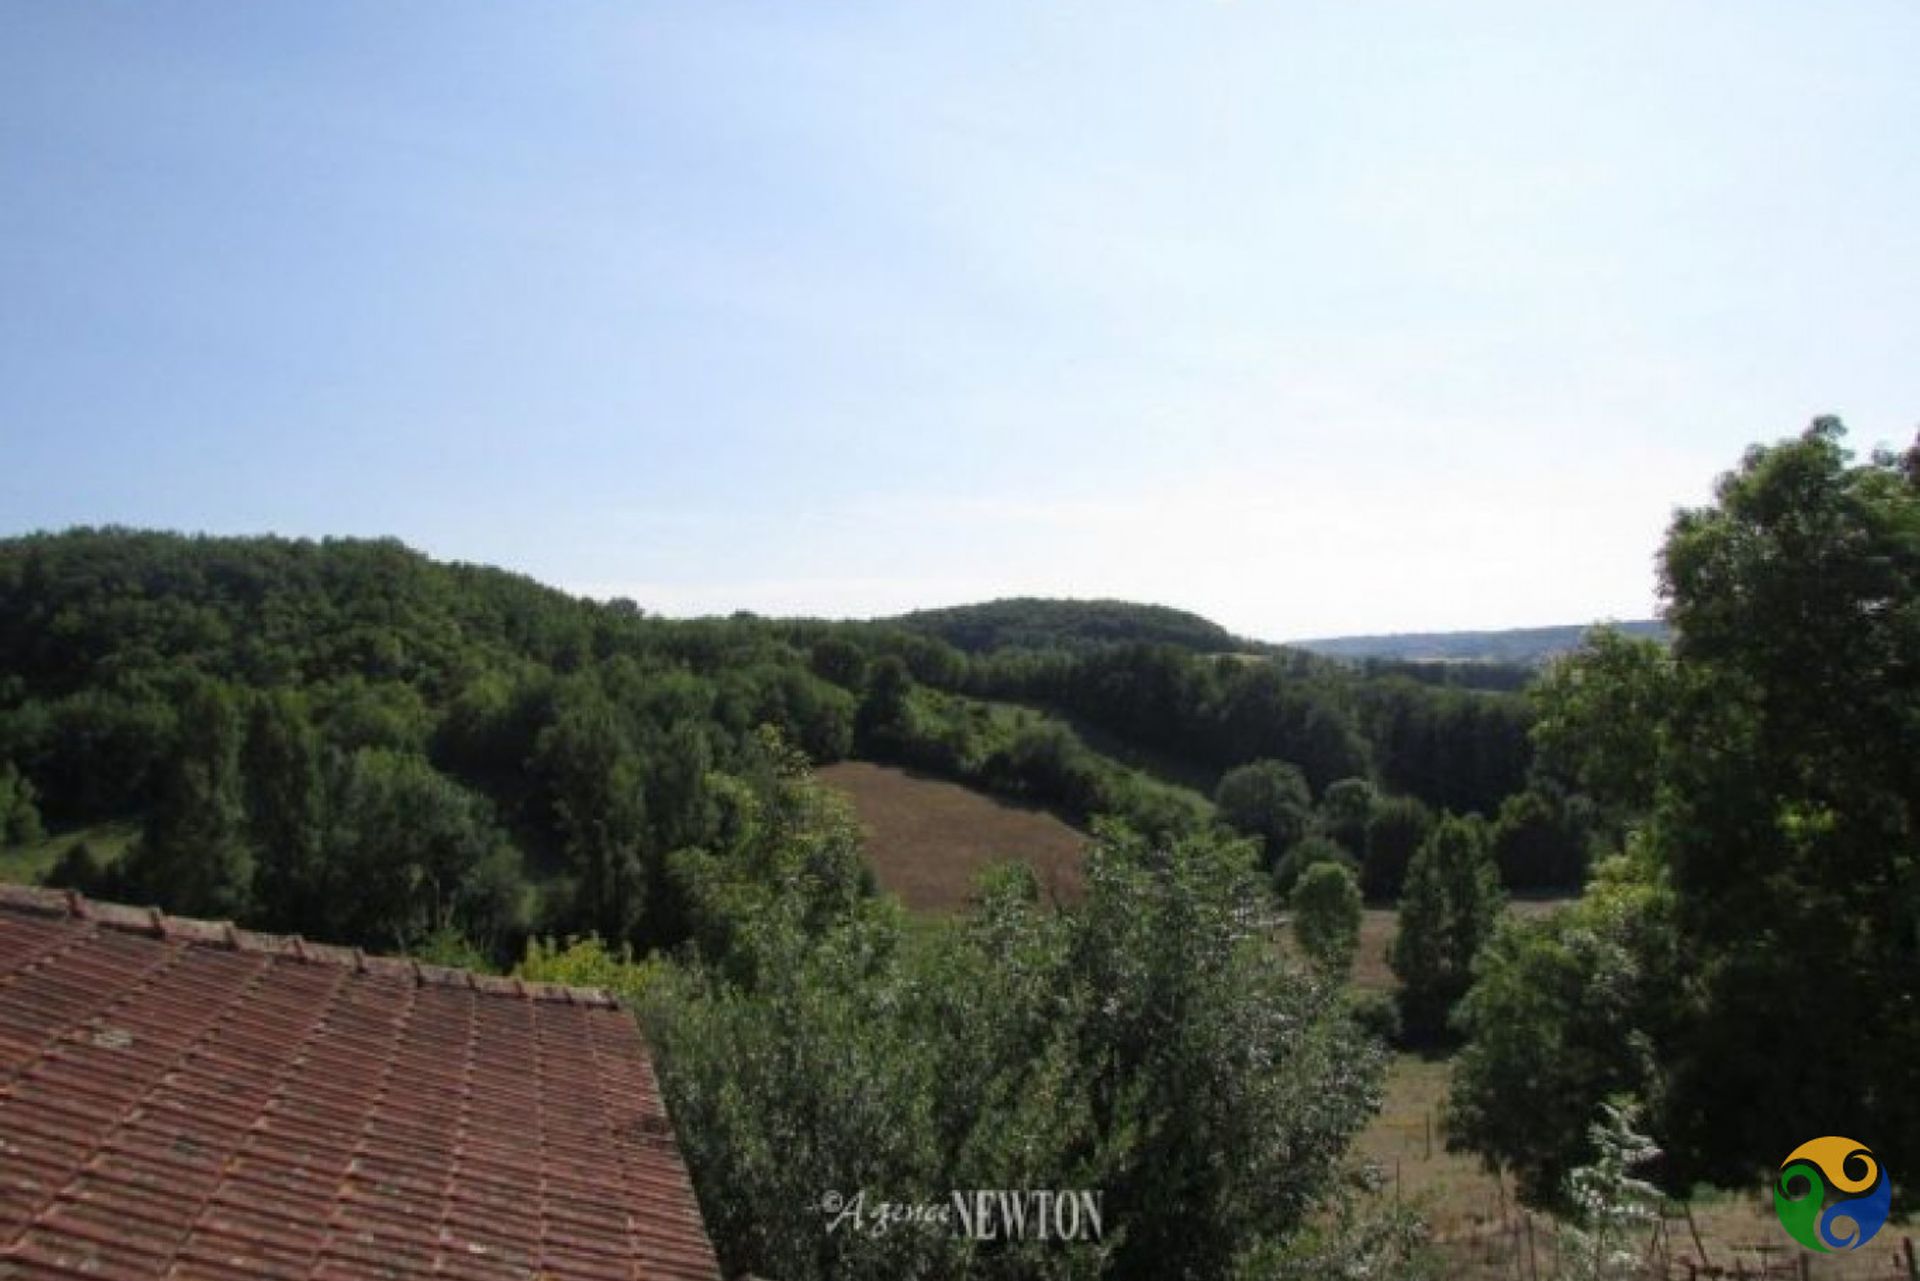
(26, 864)
(928, 839)
(1371, 972)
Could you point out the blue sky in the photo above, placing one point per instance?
(1313, 317)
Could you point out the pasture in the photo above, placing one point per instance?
(929, 839)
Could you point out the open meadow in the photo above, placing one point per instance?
(928, 839)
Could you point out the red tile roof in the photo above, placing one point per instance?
(183, 1099)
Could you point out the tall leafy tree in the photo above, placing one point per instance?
(1566, 1012)
(1268, 800)
(1447, 911)
(597, 789)
(1600, 713)
(410, 853)
(281, 772)
(193, 855)
(884, 710)
(1326, 916)
(1396, 829)
(1788, 804)
(1539, 842)
(1345, 808)
(1766, 764)
(19, 815)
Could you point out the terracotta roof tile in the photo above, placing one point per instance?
(185, 1099)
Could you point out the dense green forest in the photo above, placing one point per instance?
(348, 739)
(1032, 623)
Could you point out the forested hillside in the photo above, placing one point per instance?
(1523, 646)
(349, 739)
(1028, 622)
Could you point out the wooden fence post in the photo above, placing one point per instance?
(1693, 1230)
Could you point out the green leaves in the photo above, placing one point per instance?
(1448, 908)
(1565, 1013)
(1268, 800)
(1326, 916)
(1151, 1044)
(1600, 712)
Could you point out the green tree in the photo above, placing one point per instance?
(193, 855)
(884, 712)
(1787, 810)
(409, 852)
(79, 868)
(1599, 712)
(1447, 910)
(1268, 800)
(1240, 1087)
(1564, 1013)
(19, 815)
(1539, 842)
(1396, 829)
(837, 659)
(599, 806)
(282, 780)
(1310, 851)
(1345, 810)
(1148, 1045)
(1766, 766)
(1326, 916)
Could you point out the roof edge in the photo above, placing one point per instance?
(154, 923)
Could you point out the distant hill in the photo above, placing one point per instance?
(1523, 645)
(1029, 622)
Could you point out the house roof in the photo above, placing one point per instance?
(185, 1099)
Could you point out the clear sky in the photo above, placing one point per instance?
(1312, 317)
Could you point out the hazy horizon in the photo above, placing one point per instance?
(1313, 321)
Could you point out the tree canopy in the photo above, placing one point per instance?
(1761, 946)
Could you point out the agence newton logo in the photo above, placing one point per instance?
(1832, 1194)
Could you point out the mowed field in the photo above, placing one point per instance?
(929, 839)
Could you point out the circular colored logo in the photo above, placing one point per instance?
(1831, 1194)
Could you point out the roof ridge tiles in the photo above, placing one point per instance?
(151, 921)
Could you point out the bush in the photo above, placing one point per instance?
(77, 868)
(1311, 851)
(1148, 1044)
(1377, 1013)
